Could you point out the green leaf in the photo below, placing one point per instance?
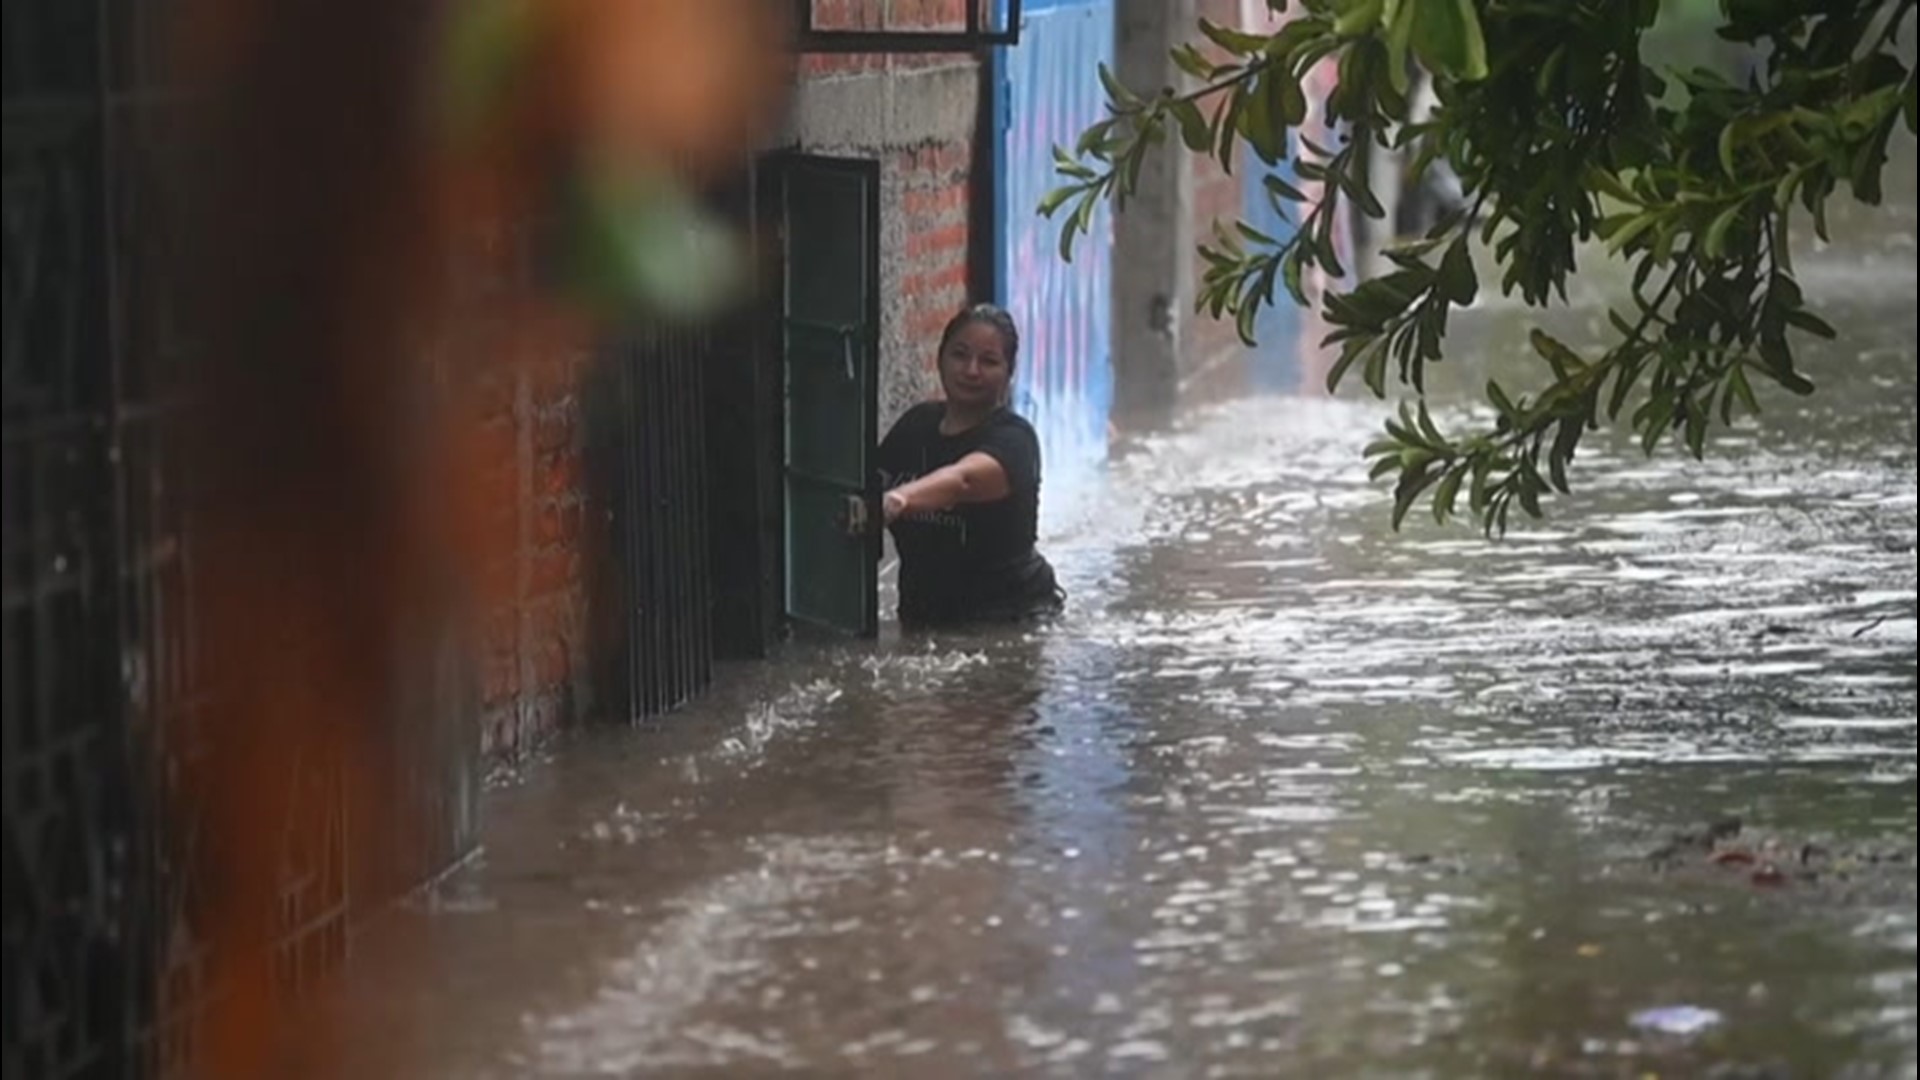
(1795, 382)
(1063, 161)
(1697, 420)
(1478, 494)
(1564, 361)
(1080, 223)
(1258, 122)
(1399, 18)
(1349, 356)
(1229, 132)
(1811, 323)
(1626, 373)
(1193, 61)
(1359, 17)
(1415, 250)
(1783, 191)
(1868, 164)
(1236, 42)
(1910, 108)
(1565, 441)
(1121, 98)
(1737, 379)
(1448, 491)
(1502, 402)
(1716, 241)
(1530, 502)
(1655, 417)
(1475, 67)
(1355, 184)
(1375, 359)
(1134, 160)
(1290, 275)
(1407, 492)
(1610, 184)
(1457, 279)
(1663, 241)
(1729, 136)
(1255, 235)
(1194, 130)
(1293, 101)
(1630, 231)
(1055, 198)
(1448, 38)
(1281, 189)
(1431, 429)
(1549, 73)
(1091, 141)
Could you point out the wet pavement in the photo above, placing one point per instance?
(1284, 794)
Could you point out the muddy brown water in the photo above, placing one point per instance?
(1283, 794)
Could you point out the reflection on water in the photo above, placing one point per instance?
(1284, 794)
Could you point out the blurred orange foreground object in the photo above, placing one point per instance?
(342, 486)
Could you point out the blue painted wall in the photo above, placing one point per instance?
(1049, 90)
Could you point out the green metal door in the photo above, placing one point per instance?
(829, 331)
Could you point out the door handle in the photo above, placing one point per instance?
(854, 517)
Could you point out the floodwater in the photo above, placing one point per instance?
(1283, 794)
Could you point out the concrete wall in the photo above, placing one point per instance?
(1166, 353)
(1153, 261)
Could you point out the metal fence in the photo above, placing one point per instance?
(650, 438)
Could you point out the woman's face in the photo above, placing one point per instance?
(973, 366)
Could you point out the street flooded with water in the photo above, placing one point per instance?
(1628, 793)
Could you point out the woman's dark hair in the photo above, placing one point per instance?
(993, 315)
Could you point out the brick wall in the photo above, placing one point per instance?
(528, 448)
(945, 15)
(534, 657)
(926, 281)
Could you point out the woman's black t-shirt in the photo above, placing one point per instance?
(975, 560)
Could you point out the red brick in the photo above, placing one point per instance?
(554, 617)
(947, 278)
(559, 472)
(928, 324)
(554, 429)
(551, 572)
(552, 666)
(550, 381)
(558, 523)
(950, 238)
(503, 680)
(934, 203)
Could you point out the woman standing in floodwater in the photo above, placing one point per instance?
(961, 484)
